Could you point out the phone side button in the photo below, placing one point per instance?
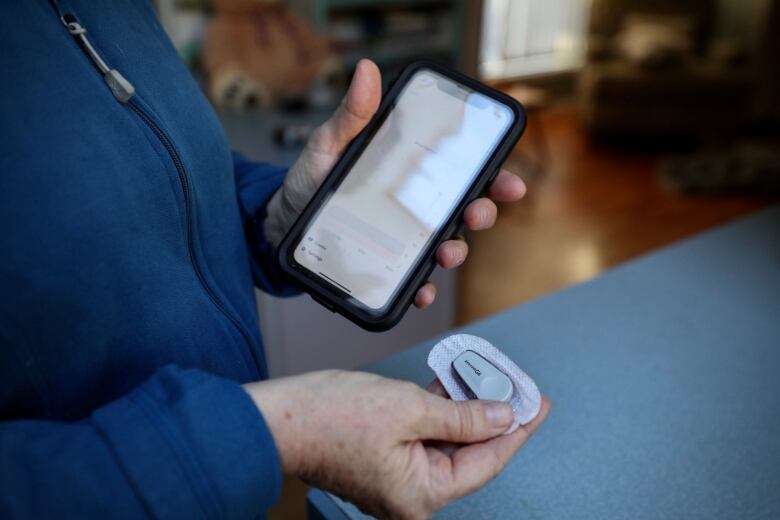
(325, 304)
(493, 176)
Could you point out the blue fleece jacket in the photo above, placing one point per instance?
(130, 237)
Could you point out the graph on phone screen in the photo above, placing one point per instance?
(423, 158)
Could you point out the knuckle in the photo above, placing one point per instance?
(488, 213)
(453, 254)
(465, 422)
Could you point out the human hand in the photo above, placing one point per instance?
(327, 143)
(365, 438)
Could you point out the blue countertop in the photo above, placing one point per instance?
(665, 380)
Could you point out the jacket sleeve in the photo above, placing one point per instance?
(256, 183)
(184, 444)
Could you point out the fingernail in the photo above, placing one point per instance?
(498, 414)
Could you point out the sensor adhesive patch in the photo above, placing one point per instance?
(525, 400)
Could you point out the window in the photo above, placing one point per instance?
(532, 37)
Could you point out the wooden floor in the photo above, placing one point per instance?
(590, 209)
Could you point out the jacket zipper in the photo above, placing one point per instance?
(188, 211)
(124, 91)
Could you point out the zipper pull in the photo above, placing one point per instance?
(122, 89)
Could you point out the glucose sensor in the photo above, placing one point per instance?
(469, 367)
(480, 379)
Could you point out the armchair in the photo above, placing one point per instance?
(653, 69)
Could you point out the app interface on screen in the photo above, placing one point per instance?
(399, 193)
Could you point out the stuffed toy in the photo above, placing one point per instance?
(257, 52)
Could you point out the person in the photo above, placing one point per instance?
(130, 353)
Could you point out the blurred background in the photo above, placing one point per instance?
(649, 120)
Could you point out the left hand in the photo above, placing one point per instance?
(327, 143)
(388, 446)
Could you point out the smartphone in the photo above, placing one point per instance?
(367, 240)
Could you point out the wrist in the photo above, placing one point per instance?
(275, 225)
(274, 403)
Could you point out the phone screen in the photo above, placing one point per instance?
(370, 232)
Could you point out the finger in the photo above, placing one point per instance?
(506, 445)
(355, 111)
(480, 214)
(507, 187)
(475, 465)
(452, 253)
(462, 421)
(425, 296)
(436, 388)
(442, 447)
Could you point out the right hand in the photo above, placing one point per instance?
(329, 141)
(361, 436)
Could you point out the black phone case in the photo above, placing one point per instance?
(339, 301)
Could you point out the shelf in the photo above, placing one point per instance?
(375, 29)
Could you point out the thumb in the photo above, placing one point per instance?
(464, 421)
(355, 111)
